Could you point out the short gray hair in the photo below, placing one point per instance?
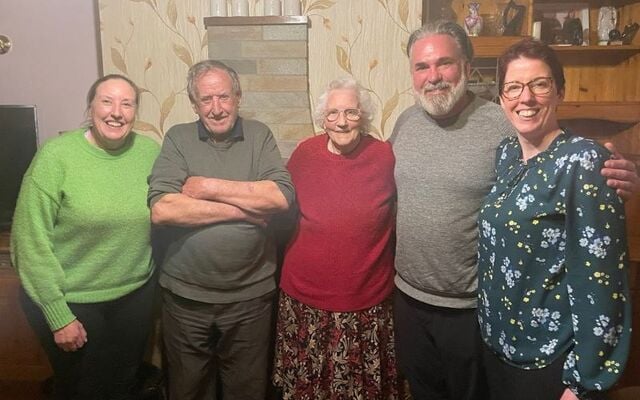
(443, 27)
(197, 70)
(364, 101)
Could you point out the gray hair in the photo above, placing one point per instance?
(364, 101)
(197, 70)
(443, 27)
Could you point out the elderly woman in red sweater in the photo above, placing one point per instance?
(335, 333)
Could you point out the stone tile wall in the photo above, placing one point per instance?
(270, 55)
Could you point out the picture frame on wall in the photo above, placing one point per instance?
(433, 10)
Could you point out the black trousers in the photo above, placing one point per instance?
(439, 350)
(507, 382)
(105, 367)
(204, 342)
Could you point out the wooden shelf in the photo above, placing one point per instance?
(628, 48)
(616, 111)
(595, 55)
(616, 3)
(494, 46)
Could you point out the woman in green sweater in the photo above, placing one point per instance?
(80, 243)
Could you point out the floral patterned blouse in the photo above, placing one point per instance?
(553, 264)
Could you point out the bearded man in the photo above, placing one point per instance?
(445, 148)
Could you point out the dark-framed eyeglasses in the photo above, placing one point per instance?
(352, 114)
(539, 86)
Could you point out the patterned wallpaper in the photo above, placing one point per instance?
(155, 41)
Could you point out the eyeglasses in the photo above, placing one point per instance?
(352, 114)
(539, 86)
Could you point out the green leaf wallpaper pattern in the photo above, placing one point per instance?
(158, 40)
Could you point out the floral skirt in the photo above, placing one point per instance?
(323, 355)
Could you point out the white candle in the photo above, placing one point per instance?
(537, 29)
(239, 8)
(272, 7)
(219, 8)
(291, 7)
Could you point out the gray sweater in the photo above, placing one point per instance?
(229, 261)
(442, 174)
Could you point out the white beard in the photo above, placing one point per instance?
(441, 104)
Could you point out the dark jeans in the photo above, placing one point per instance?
(438, 350)
(507, 382)
(105, 367)
(205, 341)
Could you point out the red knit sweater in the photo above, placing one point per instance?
(341, 256)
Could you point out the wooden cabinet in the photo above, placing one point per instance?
(594, 73)
(602, 99)
(21, 357)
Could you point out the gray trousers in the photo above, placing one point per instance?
(204, 342)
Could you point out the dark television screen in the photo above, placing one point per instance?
(18, 144)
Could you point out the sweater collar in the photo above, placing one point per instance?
(236, 133)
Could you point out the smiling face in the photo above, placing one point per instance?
(112, 112)
(533, 116)
(440, 74)
(344, 135)
(215, 102)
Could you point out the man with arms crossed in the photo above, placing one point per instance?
(215, 183)
(445, 151)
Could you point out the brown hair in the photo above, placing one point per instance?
(91, 94)
(534, 50)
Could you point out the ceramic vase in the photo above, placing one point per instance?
(272, 7)
(291, 7)
(218, 8)
(473, 21)
(239, 8)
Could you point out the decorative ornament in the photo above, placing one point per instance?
(219, 8)
(473, 21)
(607, 20)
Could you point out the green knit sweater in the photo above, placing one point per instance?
(80, 231)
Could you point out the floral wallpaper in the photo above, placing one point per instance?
(154, 42)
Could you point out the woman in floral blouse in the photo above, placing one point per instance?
(553, 293)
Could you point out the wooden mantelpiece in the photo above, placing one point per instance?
(265, 20)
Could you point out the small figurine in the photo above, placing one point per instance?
(615, 37)
(629, 32)
(473, 21)
(572, 29)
